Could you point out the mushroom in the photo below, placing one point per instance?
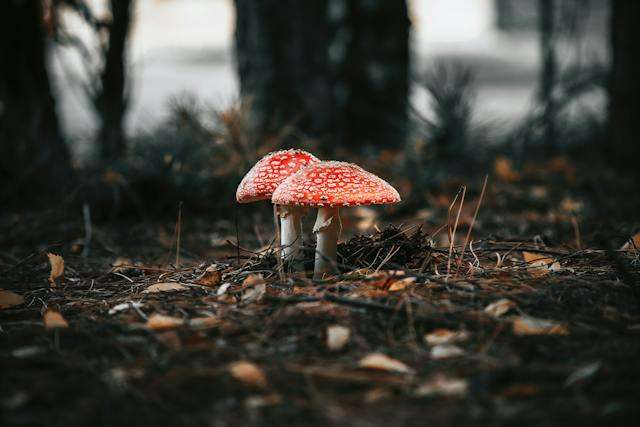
(329, 186)
(259, 184)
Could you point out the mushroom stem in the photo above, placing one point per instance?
(327, 230)
(290, 230)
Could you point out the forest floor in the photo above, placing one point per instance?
(526, 326)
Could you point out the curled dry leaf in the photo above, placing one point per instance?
(337, 337)
(632, 244)
(10, 299)
(382, 362)
(445, 336)
(211, 276)
(159, 322)
(164, 287)
(525, 325)
(446, 351)
(441, 385)
(500, 307)
(537, 265)
(54, 320)
(57, 268)
(248, 373)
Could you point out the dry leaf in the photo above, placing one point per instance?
(399, 285)
(57, 268)
(54, 320)
(446, 351)
(124, 306)
(583, 373)
(537, 265)
(211, 276)
(9, 299)
(445, 336)
(204, 322)
(500, 307)
(503, 169)
(248, 373)
(382, 362)
(337, 337)
(441, 385)
(254, 294)
(632, 244)
(164, 287)
(158, 322)
(525, 325)
(121, 264)
(252, 280)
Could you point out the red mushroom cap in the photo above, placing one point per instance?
(263, 178)
(334, 184)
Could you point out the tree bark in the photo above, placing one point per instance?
(111, 101)
(375, 75)
(548, 71)
(35, 161)
(624, 89)
(281, 55)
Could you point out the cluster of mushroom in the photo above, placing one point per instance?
(295, 180)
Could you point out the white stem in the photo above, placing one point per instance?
(290, 230)
(327, 230)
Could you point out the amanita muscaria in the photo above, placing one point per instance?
(329, 186)
(261, 181)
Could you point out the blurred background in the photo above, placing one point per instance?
(132, 106)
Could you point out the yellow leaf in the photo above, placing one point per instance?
(248, 373)
(500, 307)
(54, 320)
(531, 326)
(211, 276)
(537, 265)
(161, 321)
(57, 268)
(10, 299)
(382, 362)
(503, 169)
(337, 337)
(164, 287)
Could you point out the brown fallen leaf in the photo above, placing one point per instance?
(500, 307)
(211, 277)
(249, 374)
(503, 169)
(445, 336)
(633, 244)
(441, 385)
(204, 322)
(337, 337)
(158, 322)
(401, 284)
(537, 265)
(446, 351)
(10, 299)
(525, 325)
(382, 362)
(57, 268)
(164, 287)
(54, 320)
(252, 280)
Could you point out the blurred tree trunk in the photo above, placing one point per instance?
(548, 70)
(34, 160)
(624, 90)
(111, 100)
(375, 74)
(281, 54)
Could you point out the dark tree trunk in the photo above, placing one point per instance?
(281, 53)
(34, 160)
(624, 108)
(375, 75)
(548, 70)
(111, 101)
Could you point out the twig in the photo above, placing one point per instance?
(178, 233)
(473, 221)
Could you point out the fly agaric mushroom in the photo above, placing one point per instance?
(263, 178)
(329, 186)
